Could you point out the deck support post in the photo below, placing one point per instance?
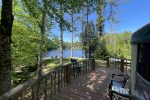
(68, 74)
(122, 65)
(93, 64)
(107, 60)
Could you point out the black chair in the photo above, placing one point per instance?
(118, 90)
(119, 80)
(76, 68)
(119, 95)
(74, 62)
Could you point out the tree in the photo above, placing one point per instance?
(5, 46)
(63, 24)
(89, 40)
(100, 18)
(122, 48)
(112, 17)
(61, 32)
(88, 8)
(60, 8)
(75, 7)
(39, 10)
(101, 48)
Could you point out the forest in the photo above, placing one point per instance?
(28, 24)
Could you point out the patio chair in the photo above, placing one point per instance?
(119, 93)
(75, 67)
(119, 81)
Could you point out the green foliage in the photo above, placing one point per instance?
(26, 42)
(52, 43)
(119, 44)
(33, 19)
(76, 45)
(102, 52)
(24, 46)
(100, 17)
(89, 39)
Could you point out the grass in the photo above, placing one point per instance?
(53, 63)
(100, 63)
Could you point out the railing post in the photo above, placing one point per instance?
(107, 59)
(68, 74)
(93, 64)
(45, 90)
(122, 65)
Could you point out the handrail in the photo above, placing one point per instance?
(50, 83)
(17, 89)
(121, 64)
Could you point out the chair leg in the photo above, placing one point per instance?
(110, 92)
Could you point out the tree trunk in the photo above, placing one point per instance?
(61, 36)
(5, 46)
(90, 51)
(72, 36)
(87, 20)
(40, 53)
(42, 31)
(61, 45)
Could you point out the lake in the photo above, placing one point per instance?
(66, 53)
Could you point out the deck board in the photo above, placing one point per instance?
(91, 86)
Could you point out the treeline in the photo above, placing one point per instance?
(26, 27)
(114, 45)
(54, 43)
(118, 45)
(75, 45)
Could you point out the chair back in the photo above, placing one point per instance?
(73, 60)
(126, 78)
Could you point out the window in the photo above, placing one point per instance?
(143, 60)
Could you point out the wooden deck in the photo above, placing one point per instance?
(91, 86)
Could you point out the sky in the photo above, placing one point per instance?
(131, 14)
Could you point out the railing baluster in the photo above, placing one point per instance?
(45, 90)
(32, 92)
(68, 74)
(86, 66)
(58, 80)
(21, 95)
(64, 72)
(51, 88)
(61, 77)
(107, 59)
(93, 64)
(55, 82)
(48, 84)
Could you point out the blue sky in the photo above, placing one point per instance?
(132, 15)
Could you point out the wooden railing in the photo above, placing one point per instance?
(121, 64)
(50, 83)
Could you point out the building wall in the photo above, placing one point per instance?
(139, 86)
(133, 67)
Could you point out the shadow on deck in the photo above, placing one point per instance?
(91, 86)
(74, 81)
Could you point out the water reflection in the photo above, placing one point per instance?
(66, 53)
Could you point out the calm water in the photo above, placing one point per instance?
(66, 53)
